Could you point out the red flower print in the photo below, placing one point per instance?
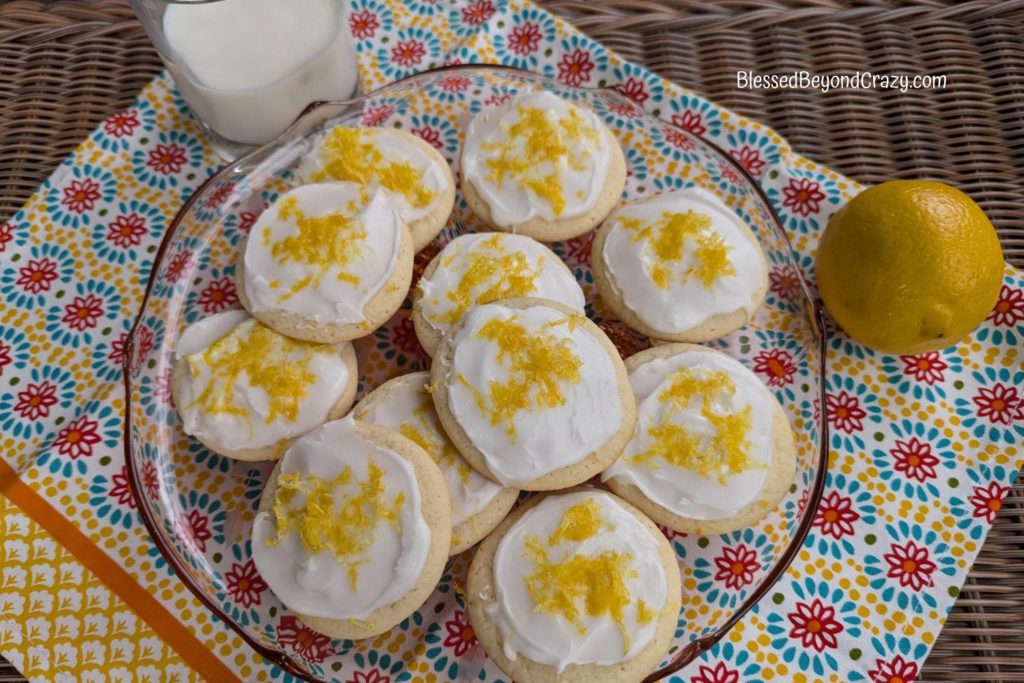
(196, 528)
(403, 338)
(1001, 404)
(372, 676)
(36, 400)
(245, 584)
(374, 116)
(801, 504)
(431, 135)
(126, 231)
(843, 412)
(784, 283)
(81, 196)
(455, 83)
(218, 295)
(162, 388)
(495, 100)
(525, 38)
(6, 235)
(835, 515)
(914, 459)
(634, 89)
(363, 24)
(749, 158)
(145, 344)
(691, 121)
(149, 479)
(246, 220)
(815, 625)
(736, 566)
(899, 670)
(578, 248)
(575, 67)
(988, 500)
(220, 195)
(5, 356)
(670, 534)
(679, 140)
(477, 13)
(176, 268)
(910, 564)
(408, 52)
(77, 439)
(729, 174)
(777, 365)
(120, 491)
(83, 313)
(116, 355)
(1009, 309)
(460, 636)
(803, 196)
(925, 367)
(720, 673)
(122, 124)
(304, 641)
(167, 159)
(625, 110)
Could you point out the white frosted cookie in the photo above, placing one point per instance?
(541, 166)
(680, 266)
(245, 391)
(353, 529)
(575, 587)
(413, 174)
(533, 394)
(480, 268)
(712, 452)
(478, 504)
(328, 262)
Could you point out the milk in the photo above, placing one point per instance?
(249, 67)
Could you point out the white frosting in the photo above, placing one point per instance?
(544, 439)
(550, 639)
(685, 303)
(407, 407)
(319, 584)
(252, 429)
(329, 293)
(440, 292)
(394, 148)
(581, 172)
(684, 491)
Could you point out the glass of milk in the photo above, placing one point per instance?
(249, 67)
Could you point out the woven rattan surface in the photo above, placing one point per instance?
(66, 65)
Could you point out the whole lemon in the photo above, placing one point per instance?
(909, 266)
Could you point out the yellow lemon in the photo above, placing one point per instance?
(909, 266)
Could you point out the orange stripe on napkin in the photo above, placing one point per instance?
(163, 623)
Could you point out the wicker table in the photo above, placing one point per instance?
(66, 65)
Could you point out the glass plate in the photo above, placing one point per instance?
(199, 507)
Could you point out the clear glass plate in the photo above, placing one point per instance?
(199, 507)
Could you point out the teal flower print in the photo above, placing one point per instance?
(112, 498)
(522, 43)
(890, 659)
(172, 160)
(724, 576)
(925, 375)
(905, 573)
(978, 500)
(850, 408)
(845, 506)
(911, 457)
(580, 63)
(75, 197)
(995, 409)
(26, 405)
(96, 427)
(28, 282)
(92, 307)
(123, 129)
(810, 624)
(410, 50)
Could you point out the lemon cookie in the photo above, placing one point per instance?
(478, 504)
(680, 266)
(245, 391)
(480, 268)
(353, 529)
(541, 166)
(575, 587)
(327, 263)
(533, 394)
(713, 450)
(413, 174)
